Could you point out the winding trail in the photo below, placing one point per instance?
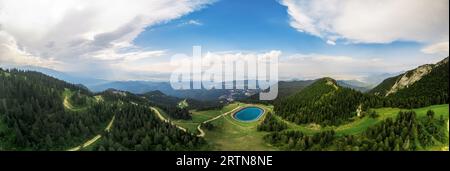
(160, 116)
(98, 136)
(67, 104)
(108, 128)
(199, 127)
(95, 139)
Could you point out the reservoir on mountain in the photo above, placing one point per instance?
(249, 114)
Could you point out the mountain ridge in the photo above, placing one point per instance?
(322, 102)
(394, 84)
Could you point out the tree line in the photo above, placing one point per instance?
(299, 141)
(320, 103)
(136, 128)
(271, 123)
(34, 118)
(405, 133)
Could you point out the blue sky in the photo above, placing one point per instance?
(135, 40)
(264, 25)
(236, 25)
(251, 25)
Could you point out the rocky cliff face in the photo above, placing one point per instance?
(331, 82)
(411, 77)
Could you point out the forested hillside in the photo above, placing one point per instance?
(383, 88)
(33, 117)
(424, 86)
(285, 89)
(429, 90)
(323, 102)
(137, 128)
(38, 112)
(161, 99)
(172, 104)
(406, 132)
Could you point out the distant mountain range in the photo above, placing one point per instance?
(70, 78)
(40, 112)
(160, 99)
(141, 87)
(354, 84)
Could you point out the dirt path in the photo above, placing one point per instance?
(95, 139)
(108, 128)
(202, 133)
(160, 116)
(199, 127)
(67, 104)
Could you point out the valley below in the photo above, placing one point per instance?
(409, 112)
(230, 134)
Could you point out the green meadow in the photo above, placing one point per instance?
(232, 135)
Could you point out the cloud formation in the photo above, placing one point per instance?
(67, 31)
(371, 21)
(313, 66)
(192, 22)
(96, 37)
(302, 66)
(441, 48)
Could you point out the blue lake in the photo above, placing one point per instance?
(249, 114)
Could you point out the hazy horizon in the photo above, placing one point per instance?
(123, 41)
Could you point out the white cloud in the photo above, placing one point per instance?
(300, 66)
(371, 21)
(135, 55)
(190, 22)
(11, 54)
(313, 66)
(194, 22)
(82, 31)
(330, 42)
(210, 61)
(441, 48)
(295, 66)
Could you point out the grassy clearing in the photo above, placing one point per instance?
(359, 125)
(228, 134)
(6, 74)
(362, 124)
(66, 101)
(99, 98)
(183, 104)
(185, 124)
(69, 105)
(199, 117)
(232, 135)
